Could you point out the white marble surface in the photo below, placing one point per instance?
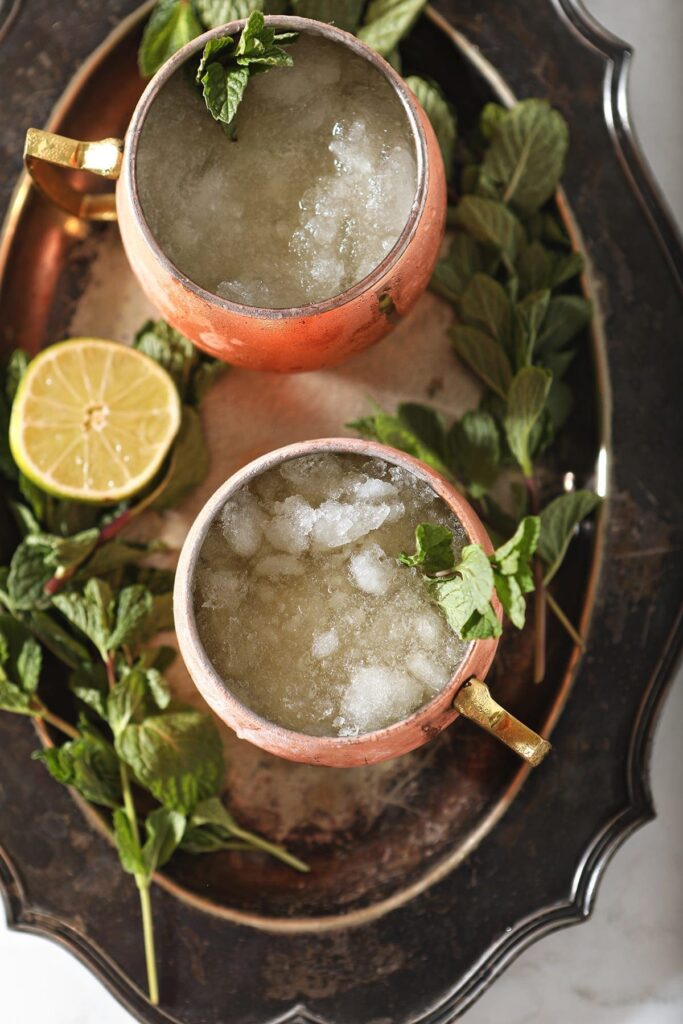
(626, 965)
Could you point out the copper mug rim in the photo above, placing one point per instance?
(367, 748)
(126, 167)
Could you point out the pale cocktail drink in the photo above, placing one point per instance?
(302, 608)
(308, 199)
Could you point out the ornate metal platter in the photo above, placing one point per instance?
(430, 872)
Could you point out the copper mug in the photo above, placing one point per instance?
(465, 694)
(306, 338)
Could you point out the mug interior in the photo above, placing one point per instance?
(306, 27)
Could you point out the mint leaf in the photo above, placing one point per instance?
(219, 12)
(490, 117)
(475, 568)
(511, 598)
(31, 567)
(89, 764)
(425, 423)
(474, 446)
(176, 755)
(453, 273)
(465, 598)
(115, 554)
(170, 349)
(133, 606)
(172, 24)
(190, 461)
(539, 268)
(526, 399)
(89, 684)
(566, 316)
(88, 611)
(483, 355)
(514, 557)
(559, 520)
(164, 830)
(226, 65)
(482, 626)
(492, 223)
(392, 431)
(58, 640)
(343, 13)
(529, 316)
(526, 155)
(485, 304)
(433, 549)
(14, 370)
(441, 115)
(388, 21)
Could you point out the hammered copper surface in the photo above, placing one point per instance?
(402, 829)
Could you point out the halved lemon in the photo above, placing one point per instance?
(92, 420)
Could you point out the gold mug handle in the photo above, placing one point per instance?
(474, 701)
(44, 152)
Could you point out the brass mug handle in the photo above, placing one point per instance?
(44, 152)
(474, 701)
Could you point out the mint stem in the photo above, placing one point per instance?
(46, 715)
(142, 881)
(272, 848)
(562, 618)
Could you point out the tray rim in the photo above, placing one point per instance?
(598, 852)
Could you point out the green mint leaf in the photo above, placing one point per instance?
(190, 461)
(70, 552)
(159, 619)
(453, 273)
(441, 115)
(485, 304)
(526, 399)
(176, 755)
(164, 830)
(489, 119)
(212, 827)
(58, 640)
(566, 316)
(529, 316)
(343, 13)
(484, 356)
(425, 423)
(127, 846)
(26, 521)
(474, 446)
(89, 764)
(14, 370)
(170, 349)
(475, 568)
(115, 554)
(223, 90)
(88, 611)
(127, 701)
(133, 606)
(514, 557)
(526, 155)
(540, 268)
(8, 468)
(392, 431)
(20, 655)
(226, 65)
(172, 24)
(14, 699)
(559, 520)
(388, 21)
(433, 549)
(214, 13)
(492, 223)
(89, 684)
(511, 598)
(31, 567)
(482, 626)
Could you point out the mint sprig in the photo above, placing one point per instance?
(227, 64)
(86, 596)
(464, 590)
